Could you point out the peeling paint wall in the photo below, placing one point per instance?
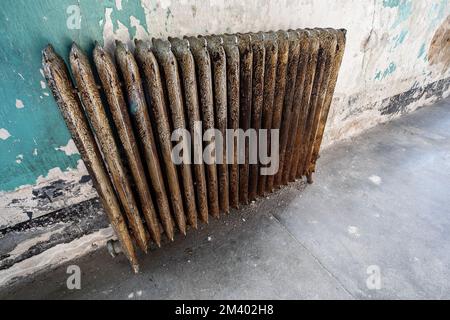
(396, 60)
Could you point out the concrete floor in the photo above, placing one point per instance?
(382, 199)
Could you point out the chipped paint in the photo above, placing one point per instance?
(4, 134)
(57, 255)
(385, 77)
(353, 231)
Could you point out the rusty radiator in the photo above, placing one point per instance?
(122, 113)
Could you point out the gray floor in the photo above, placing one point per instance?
(380, 201)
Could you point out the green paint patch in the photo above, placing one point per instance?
(37, 129)
(380, 75)
(398, 40)
(404, 10)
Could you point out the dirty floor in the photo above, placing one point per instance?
(375, 224)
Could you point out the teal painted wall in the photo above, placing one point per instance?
(37, 129)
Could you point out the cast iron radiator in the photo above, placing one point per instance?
(122, 114)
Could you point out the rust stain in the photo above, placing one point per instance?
(245, 112)
(270, 73)
(280, 88)
(218, 68)
(232, 57)
(268, 80)
(294, 54)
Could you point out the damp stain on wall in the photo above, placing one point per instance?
(439, 51)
